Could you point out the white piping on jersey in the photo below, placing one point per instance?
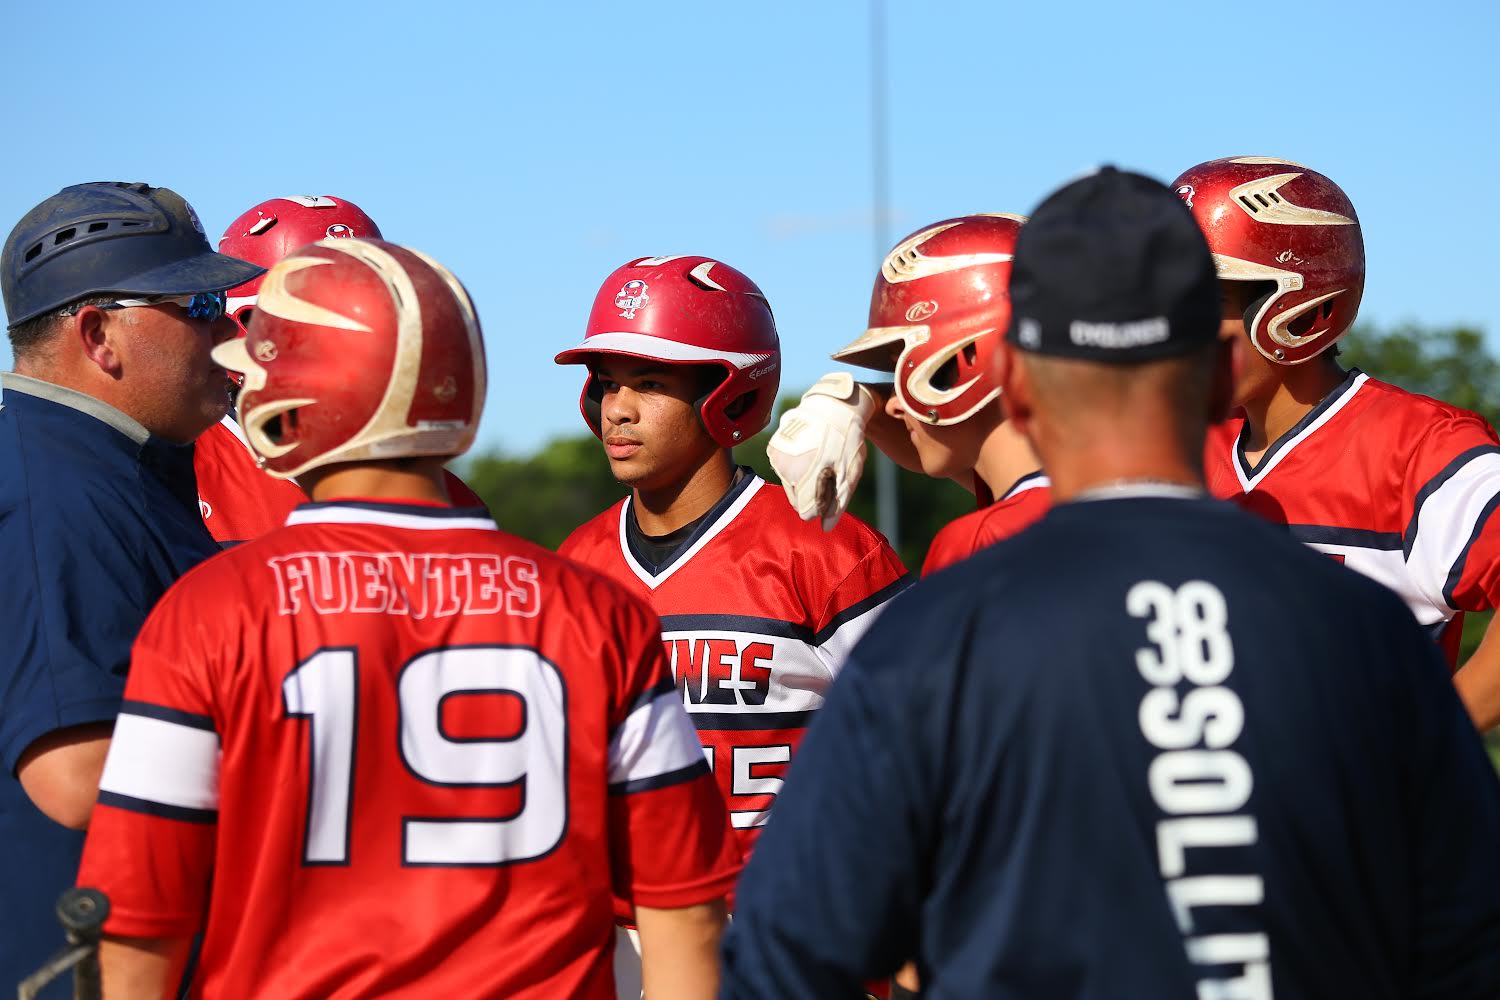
(654, 740)
(1387, 568)
(388, 518)
(1286, 449)
(155, 760)
(712, 531)
(238, 432)
(1029, 483)
(1446, 522)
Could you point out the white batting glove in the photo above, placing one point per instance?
(818, 449)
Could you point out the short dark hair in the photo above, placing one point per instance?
(27, 336)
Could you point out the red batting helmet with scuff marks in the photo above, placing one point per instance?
(940, 306)
(360, 351)
(271, 230)
(1276, 222)
(688, 310)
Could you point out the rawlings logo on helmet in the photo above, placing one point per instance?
(632, 296)
(339, 231)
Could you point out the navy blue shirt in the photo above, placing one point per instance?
(97, 518)
(1149, 744)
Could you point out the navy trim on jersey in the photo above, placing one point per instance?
(855, 610)
(1456, 572)
(1359, 538)
(147, 710)
(665, 686)
(414, 509)
(676, 777)
(712, 721)
(1436, 483)
(706, 522)
(1010, 491)
(1327, 401)
(133, 804)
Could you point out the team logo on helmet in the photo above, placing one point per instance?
(632, 296)
(1186, 193)
(265, 351)
(339, 231)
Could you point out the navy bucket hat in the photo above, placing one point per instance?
(108, 237)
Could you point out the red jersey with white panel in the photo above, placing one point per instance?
(1401, 487)
(418, 757)
(240, 502)
(759, 610)
(1021, 506)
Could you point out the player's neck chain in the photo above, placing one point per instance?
(1117, 489)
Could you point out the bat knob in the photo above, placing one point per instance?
(83, 912)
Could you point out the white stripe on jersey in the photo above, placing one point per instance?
(1035, 481)
(655, 739)
(389, 518)
(1388, 568)
(1286, 449)
(719, 524)
(834, 650)
(165, 762)
(1445, 524)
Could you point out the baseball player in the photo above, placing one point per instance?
(937, 314)
(415, 756)
(1400, 487)
(1156, 748)
(758, 607)
(237, 500)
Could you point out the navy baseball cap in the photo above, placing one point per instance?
(1112, 267)
(108, 237)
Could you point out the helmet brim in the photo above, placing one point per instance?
(639, 345)
(872, 348)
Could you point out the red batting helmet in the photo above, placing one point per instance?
(941, 299)
(1274, 221)
(360, 351)
(689, 311)
(273, 229)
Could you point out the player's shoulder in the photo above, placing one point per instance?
(776, 522)
(1390, 406)
(601, 528)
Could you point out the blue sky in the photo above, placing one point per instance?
(533, 148)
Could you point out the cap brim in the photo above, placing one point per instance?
(207, 272)
(872, 348)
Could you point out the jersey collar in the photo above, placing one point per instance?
(419, 516)
(1251, 476)
(716, 520)
(75, 400)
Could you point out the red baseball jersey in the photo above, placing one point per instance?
(1401, 487)
(240, 502)
(758, 609)
(1021, 506)
(418, 757)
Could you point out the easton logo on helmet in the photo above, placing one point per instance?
(632, 296)
(1186, 192)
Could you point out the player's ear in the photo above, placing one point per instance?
(91, 329)
(1015, 387)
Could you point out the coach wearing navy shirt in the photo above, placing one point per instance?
(1152, 746)
(113, 299)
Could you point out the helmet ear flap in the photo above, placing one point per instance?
(1258, 303)
(591, 404)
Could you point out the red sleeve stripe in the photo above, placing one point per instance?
(1456, 573)
(655, 739)
(153, 760)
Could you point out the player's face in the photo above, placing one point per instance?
(945, 452)
(649, 422)
(1256, 376)
(177, 389)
